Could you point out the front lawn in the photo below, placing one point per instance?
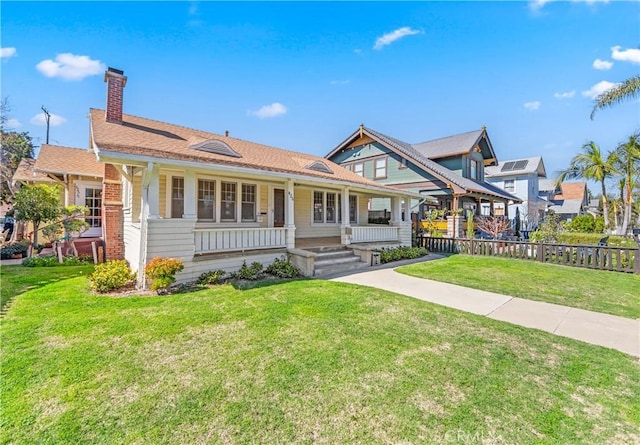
(613, 293)
(307, 361)
(18, 279)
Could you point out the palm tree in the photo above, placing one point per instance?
(591, 164)
(628, 89)
(626, 161)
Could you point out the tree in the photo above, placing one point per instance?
(591, 164)
(628, 89)
(37, 204)
(626, 161)
(15, 146)
(493, 225)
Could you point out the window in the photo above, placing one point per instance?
(510, 185)
(353, 209)
(248, 202)
(318, 207)
(177, 197)
(358, 168)
(402, 164)
(206, 199)
(348, 167)
(473, 169)
(380, 169)
(331, 208)
(228, 201)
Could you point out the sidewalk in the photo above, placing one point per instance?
(599, 329)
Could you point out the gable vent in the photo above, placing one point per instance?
(319, 166)
(217, 147)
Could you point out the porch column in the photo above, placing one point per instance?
(190, 188)
(289, 220)
(406, 208)
(479, 207)
(396, 210)
(153, 197)
(345, 224)
(491, 209)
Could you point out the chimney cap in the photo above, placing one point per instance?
(114, 72)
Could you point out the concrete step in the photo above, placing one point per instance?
(334, 269)
(330, 255)
(336, 260)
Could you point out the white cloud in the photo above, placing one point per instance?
(390, 37)
(54, 120)
(7, 52)
(339, 82)
(70, 67)
(565, 95)
(626, 55)
(532, 106)
(602, 65)
(273, 110)
(537, 5)
(13, 123)
(598, 89)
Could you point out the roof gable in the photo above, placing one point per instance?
(517, 167)
(58, 160)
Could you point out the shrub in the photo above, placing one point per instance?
(549, 229)
(52, 260)
(212, 277)
(282, 268)
(585, 224)
(18, 248)
(401, 253)
(251, 273)
(111, 275)
(162, 272)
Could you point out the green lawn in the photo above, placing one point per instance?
(306, 361)
(18, 279)
(601, 291)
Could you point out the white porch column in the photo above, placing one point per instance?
(396, 210)
(153, 197)
(406, 208)
(345, 224)
(289, 215)
(190, 187)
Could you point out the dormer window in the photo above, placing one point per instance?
(217, 147)
(319, 166)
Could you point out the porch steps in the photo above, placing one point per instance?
(336, 259)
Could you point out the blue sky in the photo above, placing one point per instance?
(303, 75)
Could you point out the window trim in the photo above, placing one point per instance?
(506, 189)
(375, 167)
(354, 168)
(215, 194)
(169, 204)
(255, 202)
(337, 211)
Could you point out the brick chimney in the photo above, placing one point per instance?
(116, 80)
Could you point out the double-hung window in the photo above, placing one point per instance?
(510, 185)
(473, 169)
(248, 202)
(380, 168)
(318, 207)
(331, 208)
(206, 199)
(228, 200)
(358, 168)
(353, 209)
(177, 197)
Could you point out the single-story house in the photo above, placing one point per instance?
(217, 201)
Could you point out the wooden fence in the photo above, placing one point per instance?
(621, 259)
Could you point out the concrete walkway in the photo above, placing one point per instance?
(599, 329)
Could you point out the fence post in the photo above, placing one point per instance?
(541, 252)
(636, 261)
(472, 247)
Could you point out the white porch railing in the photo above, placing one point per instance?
(370, 234)
(228, 240)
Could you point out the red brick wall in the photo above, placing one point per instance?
(115, 87)
(112, 216)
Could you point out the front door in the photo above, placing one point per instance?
(91, 197)
(278, 207)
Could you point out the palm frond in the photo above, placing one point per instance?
(628, 89)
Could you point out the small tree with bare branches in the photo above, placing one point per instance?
(493, 225)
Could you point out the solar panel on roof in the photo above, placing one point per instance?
(520, 165)
(508, 166)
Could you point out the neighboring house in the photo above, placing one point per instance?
(447, 172)
(76, 171)
(521, 178)
(217, 201)
(568, 200)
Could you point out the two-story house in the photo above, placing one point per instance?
(448, 172)
(567, 200)
(521, 177)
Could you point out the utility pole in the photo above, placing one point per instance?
(47, 117)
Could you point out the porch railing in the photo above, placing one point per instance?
(229, 240)
(621, 259)
(370, 234)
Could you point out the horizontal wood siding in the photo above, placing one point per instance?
(131, 244)
(170, 238)
(368, 234)
(162, 207)
(194, 268)
(136, 198)
(303, 215)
